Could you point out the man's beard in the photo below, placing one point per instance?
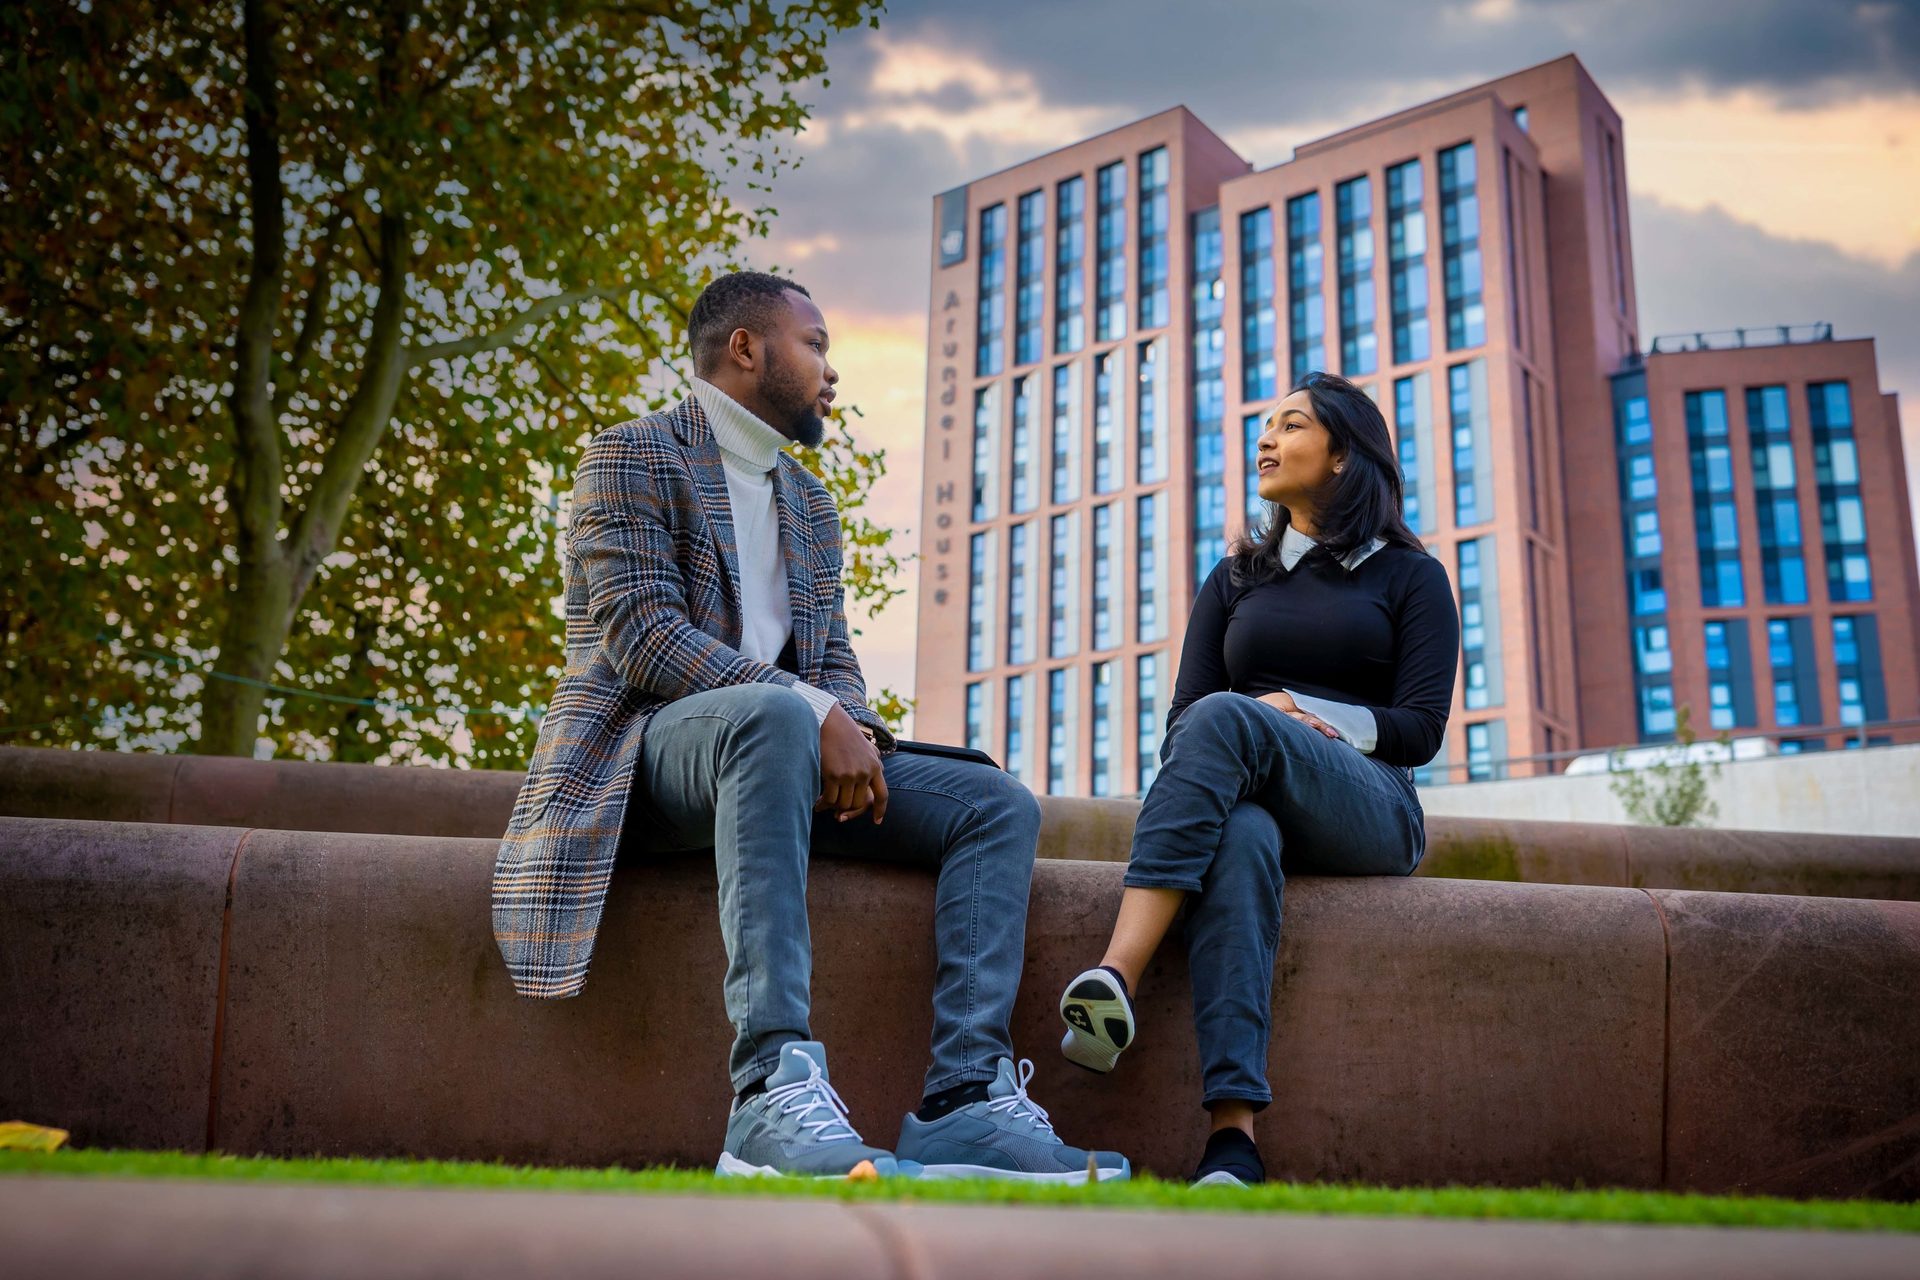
(793, 404)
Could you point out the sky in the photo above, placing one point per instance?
(1772, 146)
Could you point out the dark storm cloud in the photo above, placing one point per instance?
(1250, 63)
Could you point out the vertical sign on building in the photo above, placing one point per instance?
(953, 227)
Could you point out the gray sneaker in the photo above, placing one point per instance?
(1007, 1136)
(798, 1127)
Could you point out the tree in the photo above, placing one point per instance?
(1672, 791)
(306, 310)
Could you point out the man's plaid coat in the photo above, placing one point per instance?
(653, 614)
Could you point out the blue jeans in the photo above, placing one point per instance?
(1240, 782)
(738, 769)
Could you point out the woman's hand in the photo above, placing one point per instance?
(1283, 701)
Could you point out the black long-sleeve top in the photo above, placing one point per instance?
(1384, 635)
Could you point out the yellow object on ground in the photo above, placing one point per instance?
(863, 1172)
(18, 1135)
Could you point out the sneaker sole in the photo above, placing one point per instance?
(1099, 1021)
(1066, 1178)
(1219, 1178)
(732, 1166)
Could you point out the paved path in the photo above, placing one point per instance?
(82, 1228)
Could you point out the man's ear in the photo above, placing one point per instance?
(743, 349)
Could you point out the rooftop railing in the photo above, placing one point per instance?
(1769, 335)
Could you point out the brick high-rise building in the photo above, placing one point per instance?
(1111, 323)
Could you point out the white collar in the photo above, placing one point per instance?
(1295, 544)
(738, 430)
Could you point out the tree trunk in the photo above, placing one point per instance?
(251, 639)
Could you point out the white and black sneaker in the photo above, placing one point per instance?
(1099, 1017)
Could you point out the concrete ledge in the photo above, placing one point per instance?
(374, 799)
(207, 1231)
(1804, 1014)
(1426, 1031)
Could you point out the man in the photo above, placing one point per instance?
(711, 699)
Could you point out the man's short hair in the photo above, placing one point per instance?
(742, 300)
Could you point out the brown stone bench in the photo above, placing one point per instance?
(293, 993)
(304, 796)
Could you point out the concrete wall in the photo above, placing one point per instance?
(1874, 792)
(300, 993)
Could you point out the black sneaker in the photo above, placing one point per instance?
(1099, 1018)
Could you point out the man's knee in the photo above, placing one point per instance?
(1000, 798)
(774, 712)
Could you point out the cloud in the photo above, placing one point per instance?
(1845, 172)
(1707, 269)
(1239, 62)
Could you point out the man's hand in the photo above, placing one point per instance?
(851, 780)
(1283, 701)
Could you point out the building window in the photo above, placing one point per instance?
(1064, 483)
(1716, 521)
(1413, 421)
(1106, 476)
(986, 451)
(1353, 224)
(1483, 763)
(1783, 568)
(1856, 659)
(1029, 289)
(1156, 307)
(1617, 223)
(1058, 699)
(1150, 407)
(1062, 636)
(979, 601)
(1110, 262)
(1478, 577)
(1259, 369)
(1019, 589)
(1070, 266)
(1150, 580)
(1646, 589)
(977, 716)
(1147, 736)
(1729, 675)
(1102, 728)
(1653, 671)
(1796, 695)
(1472, 443)
(991, 350)
(1306, 270)
(1252, 427)
(1024, 496)
(1836, 471)
(1639, 491)
(1209, 397)
(1520, 118)
(1106, 567)
(1460, 248)
(1017, 725)
(1407, 263)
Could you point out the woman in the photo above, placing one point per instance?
(1317, 672)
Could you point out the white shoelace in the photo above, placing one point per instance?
(802, 1097)
(1018, 1103)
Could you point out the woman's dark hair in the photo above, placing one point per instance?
(1361, 503)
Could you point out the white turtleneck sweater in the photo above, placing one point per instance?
(749, 452)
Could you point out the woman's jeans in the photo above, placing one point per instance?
(1240, 782)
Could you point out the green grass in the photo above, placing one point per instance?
(1541, 1204)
